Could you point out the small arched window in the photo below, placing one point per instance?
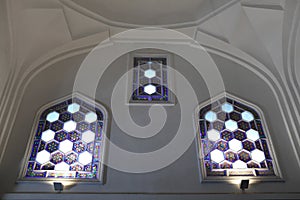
(233, 141)
(67, 142)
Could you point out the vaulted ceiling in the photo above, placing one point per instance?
(148, 12)
(46, 40)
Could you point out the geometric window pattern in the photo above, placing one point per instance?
(150, 79)
(67, 142)
(233, 140)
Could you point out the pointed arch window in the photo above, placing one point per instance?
(68, 141)
(233, 141)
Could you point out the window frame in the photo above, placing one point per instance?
(149, 53)
(101, 170)
(233, 179)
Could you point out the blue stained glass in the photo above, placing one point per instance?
(150, 82)
(232, 137)
(210, 116)
(226, 107)
(247, 116)
(59, 150)
(53, 116)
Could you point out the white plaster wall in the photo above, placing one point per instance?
(4, 46)
(297, 57)
(183, 176)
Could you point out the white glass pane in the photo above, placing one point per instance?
(70, 126)
(258, 155)
(247, 116)
(150, 73)
(48, 135)
(62, 167)
(65, 146)
(252, 135)
(88, 136)
(90, 117)
(239, 165)
(85, 158)
(213, 135)
(150, 89)
(43, 156)
(53, 116)
(73, 108)
(231, 125)
(235, 145)
(217, 156)
(226, 107)
(210, 116)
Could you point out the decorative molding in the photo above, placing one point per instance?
(208, 179)
(88, 13)
(289, 52)
(18, 88)
(278, 87)
(85, 99)
(5, 100)
(12, 100)
(223, 50)
(153, 195)
(263, 6)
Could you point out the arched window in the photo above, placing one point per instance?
(67, 142)
(233, 141)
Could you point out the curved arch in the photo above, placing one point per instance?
(60, 138)
(246, 62)
(279, 88)
(92, 15)
(231, 129)
(292, 23)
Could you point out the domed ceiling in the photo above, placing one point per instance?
(151, 12)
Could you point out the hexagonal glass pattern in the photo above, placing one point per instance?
(150, 73)
(62, 167)
(252, 135)
(213, 135)
(231, 125)
(150, 89)
(67, 142)
(217, 156)
(210, 116)
(88, 136)
(42, 157)
(227, 107)
(73, 108)
(85, 158)
(150, 79)
(53, 116)
(247, 116)
(70, 126)
(237, 144)
(239, 165)
(66, 146)
(48, 135)
(90, 117)
(258, 155)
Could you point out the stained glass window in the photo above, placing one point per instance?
(150, 81)
(67, 143)
(233, 140)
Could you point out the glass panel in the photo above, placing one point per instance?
(150, 82)
(67, 143)
(232, 138)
